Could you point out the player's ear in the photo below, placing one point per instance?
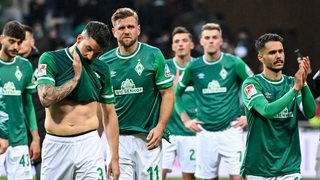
(260, 57)
(79, 38)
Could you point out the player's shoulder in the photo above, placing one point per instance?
(169, 61)
(99, 65)
(148, 46)
(106, 55)
(22, 60)
(231, 58)
(254, 78)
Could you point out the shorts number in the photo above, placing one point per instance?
(150, 171)
(100, 170)
(192, 154)
(240, 155)
(25, 160)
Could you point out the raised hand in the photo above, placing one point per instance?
(77, 65)
(176, 77)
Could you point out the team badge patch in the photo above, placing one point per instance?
(167, 72)
(42, 69)
(250, 90)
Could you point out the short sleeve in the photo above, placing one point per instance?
(46, 69)
(164, 79)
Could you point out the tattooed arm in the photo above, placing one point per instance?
(49, 94)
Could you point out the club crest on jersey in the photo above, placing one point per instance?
(18, 73)
(139, 67)
(42, 69)
(250, 90)
(167, 72)
(223, 73)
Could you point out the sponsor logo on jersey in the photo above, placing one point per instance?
(42, 69)
(98, 76)
(18, 73)
(250, 90)
(189, 89)
(9, 89)
(267, 95)
(200, 75)
(139, 67)
(167, 72)
(285, 113)
(113, 73)
(214, 87)
(128, 87)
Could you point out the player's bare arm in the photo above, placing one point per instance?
(155, 135)
(35, 145)
(111, 129)
(49, 94)
(3, 145)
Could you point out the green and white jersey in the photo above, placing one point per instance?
(175, 125)
(137, 79)
(16, 78)
(4, 117)
(216, 85)
(273, 147)
(56, 68)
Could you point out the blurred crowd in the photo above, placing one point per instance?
(56, 23)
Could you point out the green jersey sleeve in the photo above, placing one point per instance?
(163, 76)
(242, 69)
(31, 87)
(185, 80)
(29, 111)
(107, 94)
(46, 69)
(308, 104)
(4, 117)
(254, 98)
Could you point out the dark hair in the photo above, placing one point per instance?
(262, 40)
(181, 30)
(99, 32)
(14, 29)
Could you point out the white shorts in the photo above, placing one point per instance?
(214, 146)
(182, 147)
(78, 157)
(136, 161)
(317, 167)
(16, 164)
(285, 177)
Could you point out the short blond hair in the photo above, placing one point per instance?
(123, 13)
(211, 26)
